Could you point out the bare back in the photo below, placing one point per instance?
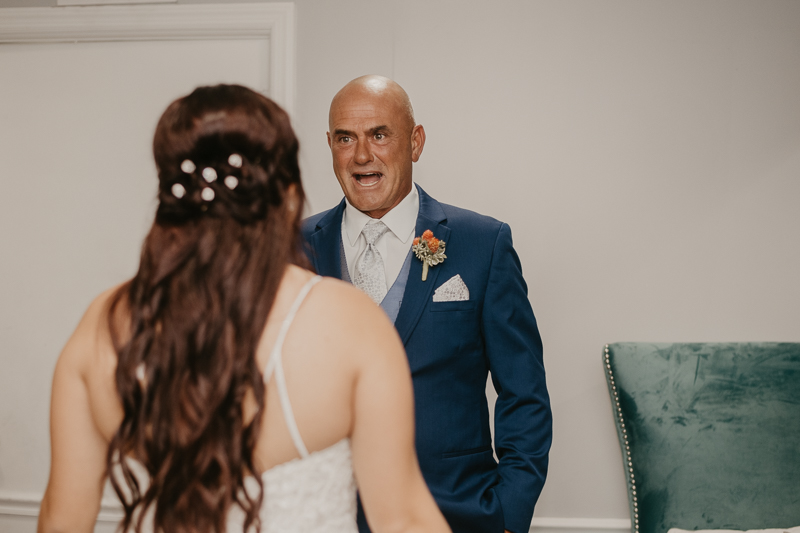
(320, 366)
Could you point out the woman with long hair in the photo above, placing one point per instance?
(224, 387)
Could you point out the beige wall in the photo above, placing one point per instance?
(645, 154)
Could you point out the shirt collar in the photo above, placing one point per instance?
(401, 220)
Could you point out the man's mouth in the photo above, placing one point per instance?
(368, 179)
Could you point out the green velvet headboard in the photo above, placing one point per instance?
(710, 433)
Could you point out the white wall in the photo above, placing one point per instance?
(646, 155)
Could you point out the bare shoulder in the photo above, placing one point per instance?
(348, 315)
(344, 296)
(98, 308)
(338, 297)
(351, 309)
(92, 331)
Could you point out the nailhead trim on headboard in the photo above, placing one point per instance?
(629, 463)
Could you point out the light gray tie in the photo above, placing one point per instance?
(369, 274)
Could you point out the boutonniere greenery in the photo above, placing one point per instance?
(429, 250)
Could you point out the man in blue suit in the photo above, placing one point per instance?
(470, 316)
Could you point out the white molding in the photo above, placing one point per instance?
(273, 21)
(19, 504)
(107, 2)
(540, 524)
(27, 504)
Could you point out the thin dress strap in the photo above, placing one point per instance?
(275, 364)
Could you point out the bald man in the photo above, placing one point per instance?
(452, 283)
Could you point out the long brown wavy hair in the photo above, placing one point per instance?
(186, 327)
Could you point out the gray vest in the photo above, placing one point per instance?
(391, 302)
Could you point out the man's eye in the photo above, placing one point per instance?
(379, 136)
(344, 139)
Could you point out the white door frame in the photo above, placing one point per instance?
(273, 22)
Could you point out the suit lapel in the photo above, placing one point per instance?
(326, 243)
(418, 293)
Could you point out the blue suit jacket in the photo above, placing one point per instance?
(451, 346)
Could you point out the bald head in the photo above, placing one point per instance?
(374, 86)
(374, 141)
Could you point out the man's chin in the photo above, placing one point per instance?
(364, 200)
(367, 208)
(371, 209)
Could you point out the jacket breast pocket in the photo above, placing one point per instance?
(463, 305)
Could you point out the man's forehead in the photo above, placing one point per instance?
(365, 100)
(357, 113)
(364, 114)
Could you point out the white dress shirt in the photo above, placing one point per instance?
(393, 245)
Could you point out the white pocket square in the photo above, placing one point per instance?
(452, 290)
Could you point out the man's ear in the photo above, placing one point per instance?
(417, 142)
(328, 135)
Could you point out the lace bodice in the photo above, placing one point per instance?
(315, 494)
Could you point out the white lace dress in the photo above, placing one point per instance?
(313, 494)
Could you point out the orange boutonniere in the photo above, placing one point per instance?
(429, 250)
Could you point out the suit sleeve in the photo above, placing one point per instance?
(523, 421)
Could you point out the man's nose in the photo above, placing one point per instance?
(363, 152)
